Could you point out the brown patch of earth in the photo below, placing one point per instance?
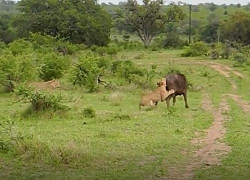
(210, 148)
(243, 104)
(222, 68)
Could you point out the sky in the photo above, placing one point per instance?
(219, 2)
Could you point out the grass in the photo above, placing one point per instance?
(120, 141)
(236, 164)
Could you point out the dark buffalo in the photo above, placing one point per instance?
(177, 82)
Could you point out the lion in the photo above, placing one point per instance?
(52, 84)
(160, 94)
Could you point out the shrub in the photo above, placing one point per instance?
(89, 112)
(240, 58)
(112, 50)
(196, 49)
(114, 65)
(127, 70)
(20, 46)
(100, 50)
(9, 135)
(2, 46)
(171, 68)
(52, 66)
(173, 40)
(86, 70)
(47, 43)
(16, 69)
(40, 100)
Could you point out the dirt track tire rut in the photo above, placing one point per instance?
(212, 148)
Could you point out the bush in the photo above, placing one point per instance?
(101, 50)
(112, 50)
(89, 112)
(20, 46)
(86, 70)
(2, 46)
(114, 65)
(240, 58)
(9, 136)
(171, 68)
(173, 40)
(46, 43)
(52, 66)
(130, 45)
(127, 70)
(40, 100)
(16, 69)
(196, 49)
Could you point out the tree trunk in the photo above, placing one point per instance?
(146, 42)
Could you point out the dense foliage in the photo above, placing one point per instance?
(77, 21)
(90, 23)
(146, 20)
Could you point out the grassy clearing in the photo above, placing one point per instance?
(120, 141)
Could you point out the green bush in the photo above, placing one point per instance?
(171, 68)
(173, 40)
(52, 66)
(196, 49)
(2, 46)
(114, 65)
(89, 112)
(40, 100)
(130, 45)
(101, 50)
(20, 46)
(112, 50)
(240, 59)
(86, 70)
(16, 69)
(46, 43)
(9, 135)
(127, 70)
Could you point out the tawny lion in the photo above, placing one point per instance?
(160, 94)
(52, 84)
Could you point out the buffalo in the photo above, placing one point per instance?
(178, 83)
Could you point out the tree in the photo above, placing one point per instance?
(210, 31)
(212, 7)
(238, 29)
(6, 34)
(147, 20)
(79, 21)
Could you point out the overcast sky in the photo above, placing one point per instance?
(219, 2)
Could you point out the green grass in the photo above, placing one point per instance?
(121, 141)
(237, 163)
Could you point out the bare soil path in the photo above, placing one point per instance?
(211, 148)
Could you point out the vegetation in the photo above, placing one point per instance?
(90, 127)
(147, 20)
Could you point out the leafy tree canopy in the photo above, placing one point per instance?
(79, 21)
(147, 20)
(238, 29)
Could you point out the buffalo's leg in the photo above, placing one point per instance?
(168, 99)
(174, 100)
(185, 99)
